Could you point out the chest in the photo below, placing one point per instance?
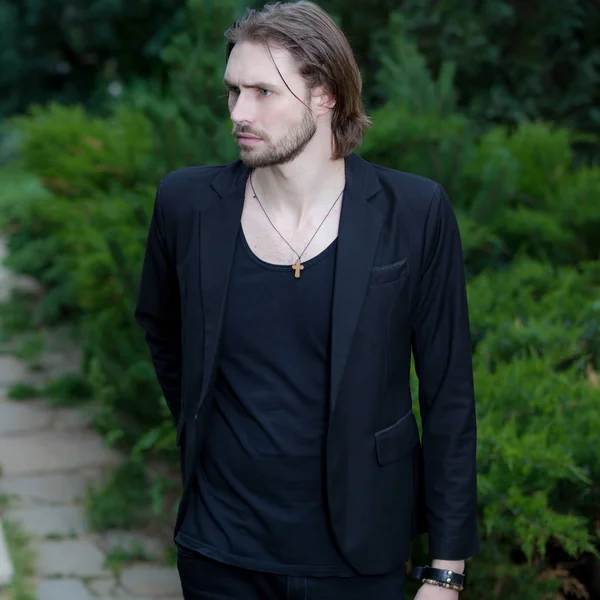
(279, 238)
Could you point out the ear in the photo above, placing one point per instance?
(323, 99)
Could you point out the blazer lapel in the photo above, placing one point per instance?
(360, 225)
(219, 227)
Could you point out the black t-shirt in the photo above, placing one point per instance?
(260, 499)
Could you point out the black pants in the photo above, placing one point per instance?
(203, 578)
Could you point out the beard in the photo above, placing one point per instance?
(279, 153)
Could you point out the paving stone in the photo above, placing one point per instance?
(48, 489)
(49, 451)
(13, 370)
(155, 581)
(24, 416)
(130, 541)
(62, 589)
(43, 521)
(55, 364)
(78, 558)
(66, 419)
(102, 587)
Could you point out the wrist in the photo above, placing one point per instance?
(457, 566)
(430, 592)
(436, 576)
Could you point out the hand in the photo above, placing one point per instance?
(434, 592)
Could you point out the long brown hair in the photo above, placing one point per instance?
(323, 55)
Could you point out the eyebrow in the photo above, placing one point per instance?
(258, 85)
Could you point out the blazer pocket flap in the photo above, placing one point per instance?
(389, 273)
(397, 440)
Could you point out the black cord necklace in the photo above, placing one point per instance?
(297, 266)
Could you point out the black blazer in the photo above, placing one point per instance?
(399, 285)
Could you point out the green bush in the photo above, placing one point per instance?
(82, 234)
(515, 62)
(72, 51)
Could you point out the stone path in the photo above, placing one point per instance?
(48, 457)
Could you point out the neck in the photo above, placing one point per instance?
(308, 182)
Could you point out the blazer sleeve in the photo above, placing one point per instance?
(441, 343)
(158, 307)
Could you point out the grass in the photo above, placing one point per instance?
(24, 391)
(119, 557)
(23, 559)
(5, 501)
(68, 390)
(71, 389)
(31, 347)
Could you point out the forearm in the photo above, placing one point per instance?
(443, 361)
(165, 352)
(158, 309)
(450, 484)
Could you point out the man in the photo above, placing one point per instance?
(281, 297)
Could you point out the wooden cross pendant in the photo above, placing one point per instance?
(297, 266)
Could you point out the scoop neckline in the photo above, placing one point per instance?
(284, 267)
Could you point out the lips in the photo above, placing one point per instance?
(245, 139)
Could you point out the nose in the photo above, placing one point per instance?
(241, 110)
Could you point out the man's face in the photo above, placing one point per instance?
(272, 127)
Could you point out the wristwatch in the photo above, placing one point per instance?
(442, 577)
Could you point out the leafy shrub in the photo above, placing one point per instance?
(123, 502)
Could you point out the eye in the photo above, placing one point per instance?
(233, 91)
(265, 93)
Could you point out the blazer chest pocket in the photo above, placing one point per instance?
(389, 273)
(397, 440)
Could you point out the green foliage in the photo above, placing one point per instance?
(73, 50)
(119, 557)
(508, 70)
(24, 391)
(22, 556)
(515, 62)
(83, 235)
(79, 160)
(189, 112)
(68, 390)
(17, 314)
(81, 154)
(31, 346)
(418, 129)
(537, 351)
(122, 503)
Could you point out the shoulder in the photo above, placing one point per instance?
(413, 199)
(185, 185)
(414, 191)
